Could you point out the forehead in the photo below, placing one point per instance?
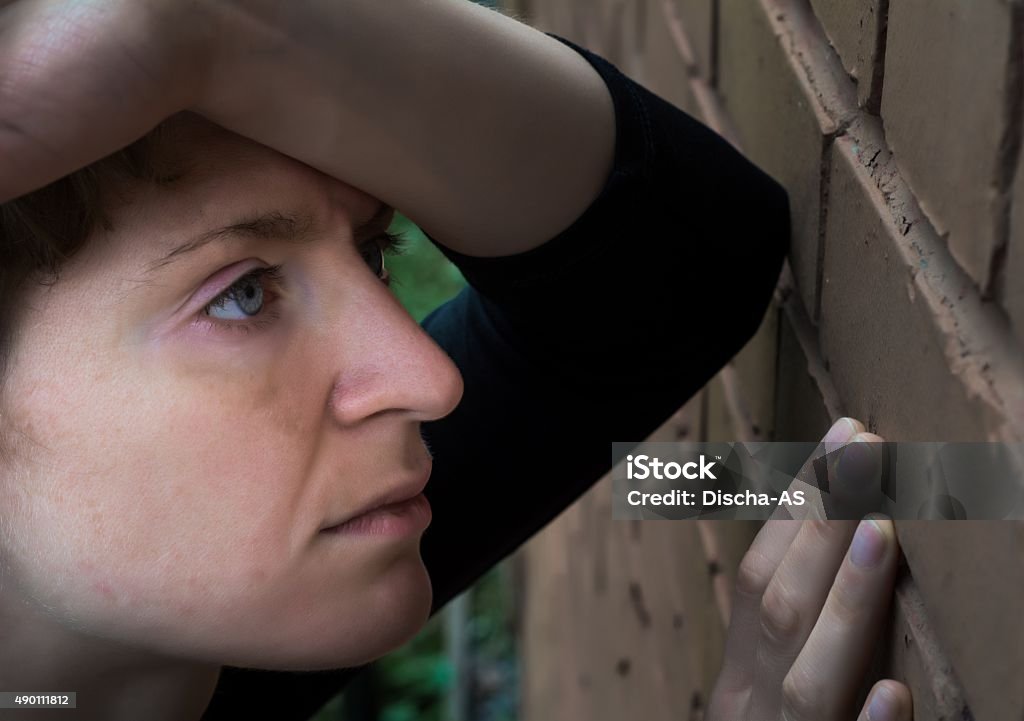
(212, 176)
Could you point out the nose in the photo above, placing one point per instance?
(392, 365)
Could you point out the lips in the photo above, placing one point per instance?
(409, 488)
(403, 519)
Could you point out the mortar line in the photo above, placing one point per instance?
(1009, 158)
(824, 183)
(873, 103)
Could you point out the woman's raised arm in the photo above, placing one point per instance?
(491, 135)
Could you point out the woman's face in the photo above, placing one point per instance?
(182, 463)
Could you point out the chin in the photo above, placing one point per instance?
(381, 621)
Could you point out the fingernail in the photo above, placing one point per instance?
(857, 461)
(883, 706)
(841, 431)
(869, 543)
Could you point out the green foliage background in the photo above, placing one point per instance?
(421, 277)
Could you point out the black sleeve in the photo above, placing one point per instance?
(596, 336)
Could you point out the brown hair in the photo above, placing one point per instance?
(43, 230)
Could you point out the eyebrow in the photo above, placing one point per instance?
(293, 228)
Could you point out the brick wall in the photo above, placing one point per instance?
(896, 127)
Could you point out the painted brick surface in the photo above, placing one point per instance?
(634, 34)
(801, 413)
(663, 650)
(914, 656)
(876, 317)
(621, 27)
(886, 345)
(695, 17)
(721, 426)
(557, 16)
(711, 112)
(755, 367)
(944, 103)
(1013, 288)
(971, 577)
(785, 120)
(665, 69)
(854, 27)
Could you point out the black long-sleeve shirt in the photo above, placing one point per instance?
(598, 335)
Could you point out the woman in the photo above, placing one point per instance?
(212, 404)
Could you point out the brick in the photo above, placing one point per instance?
(695, 18)
(736, 406)
(899, 324)
(718, 422)
(589, 24)
(712, 113)
(614, 29)
(947, 114)
(667, 562)
(801, 413)
(755, 366)
(665, 69)
(788, 97)
(725, 545)
(855, 29)
(1013, 292)
(687, 422)
(971, 578)
(545, 640)
(550, 15)
(915, 657)
(620, 619)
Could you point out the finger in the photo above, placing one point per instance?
(797, 592)
(828, 671)
(791, 605)
(806, 479)
(888, 701)
(843, 480)
(753, 576)
(857, 490)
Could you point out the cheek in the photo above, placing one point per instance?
(159, 500)
(176, 508)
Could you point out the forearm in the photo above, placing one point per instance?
(490, 135)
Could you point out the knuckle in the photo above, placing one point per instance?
(753, 574)
(822, 531)
(843, 605)
(799, 700)
(780, 619)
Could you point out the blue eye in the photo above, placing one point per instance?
(246, 299)
(243, 307)
(246, 294)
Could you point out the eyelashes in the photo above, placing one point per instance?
(248, 305)
(386, 244)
